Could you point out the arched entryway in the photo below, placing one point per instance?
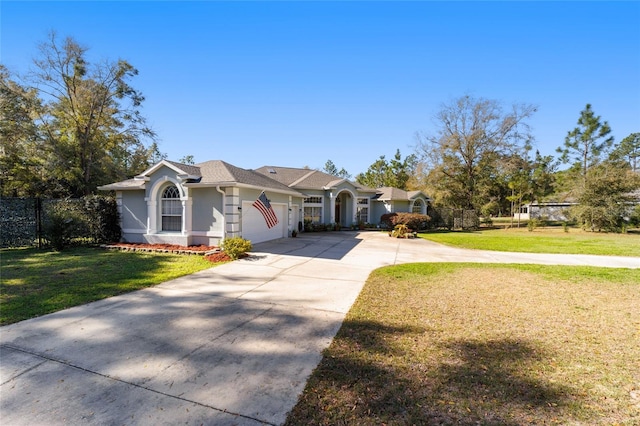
(343, 208)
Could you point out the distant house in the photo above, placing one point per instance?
(204, 203)
(556, 211)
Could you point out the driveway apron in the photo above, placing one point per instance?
(231, 345)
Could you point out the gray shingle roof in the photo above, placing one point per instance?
(187, 168)
(124, 185)
(282, 179)
(305, 178)
(388, 193)
(214, 172)
(220, 172)
(284, 175)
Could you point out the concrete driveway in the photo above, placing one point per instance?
(232, 345)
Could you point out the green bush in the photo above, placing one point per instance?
(487, 221)
(308, 225)
(609, 218)
(103, 221)
(235, 247)
(634, 218)
(414, 221)
(92, 219)
(63, 222)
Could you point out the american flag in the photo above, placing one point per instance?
(263, 204)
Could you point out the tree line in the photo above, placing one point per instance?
(69, 125)
(481, 157)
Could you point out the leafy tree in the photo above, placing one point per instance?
(584, 144)
(401, 171)
(187, 159)
(374, 177)
(529, 180)
(395, 172)
(154, 155)
(542, 177)
(20, 143)
(465, 153)
(605, 197)
(330, 168)
(90, 128)
(628, 150)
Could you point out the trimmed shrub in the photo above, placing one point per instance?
(235, 247)
(414, 221)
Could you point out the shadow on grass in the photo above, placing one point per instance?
(499, 382)
(376, 374)
(37, 282)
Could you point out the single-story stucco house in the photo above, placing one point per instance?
(174, 203)
(552, 210)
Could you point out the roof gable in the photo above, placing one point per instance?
(389, 193)
(186, 170)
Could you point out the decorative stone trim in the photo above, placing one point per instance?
(134, 248)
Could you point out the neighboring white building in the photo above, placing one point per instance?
(555, 211)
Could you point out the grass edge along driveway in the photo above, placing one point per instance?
(483, 344)
(37, 282)
(553, 241)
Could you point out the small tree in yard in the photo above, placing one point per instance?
(605, 199)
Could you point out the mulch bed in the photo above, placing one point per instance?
(211, 253)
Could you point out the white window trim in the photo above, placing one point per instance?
(366, 205)
(154, 207)
(422, 206)
(169, 201)
(320, 205)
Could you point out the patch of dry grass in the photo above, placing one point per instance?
(483, 344)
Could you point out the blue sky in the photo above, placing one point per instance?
(298, 83)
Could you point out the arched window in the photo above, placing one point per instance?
(171, 209)
(417, 207)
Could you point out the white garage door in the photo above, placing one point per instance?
(254, 227)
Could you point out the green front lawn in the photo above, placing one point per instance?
(469, 344)
(36, 282)
(541, 241)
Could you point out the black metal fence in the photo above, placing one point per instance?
(442, 217)
(23, 221)
(20, 222)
